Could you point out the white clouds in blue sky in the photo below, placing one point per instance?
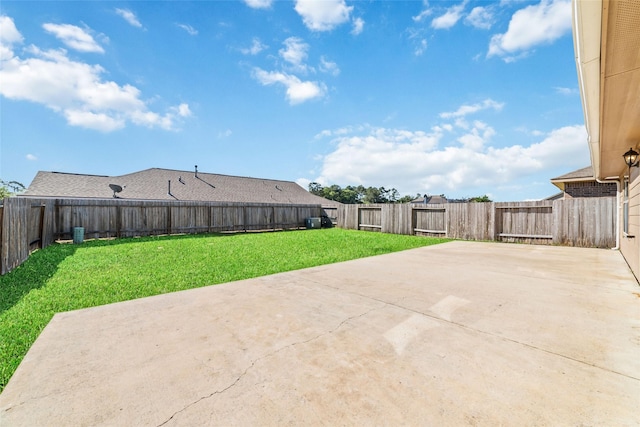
(457, 97)
(74, 37)
(256, 47)
(259, 4)
(129, 16)
(76, 90)
(323, 15)
(531, 26)
(189, 29)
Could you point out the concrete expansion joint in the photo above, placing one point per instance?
(480, 331)
(266, 356)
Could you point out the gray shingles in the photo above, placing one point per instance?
(153, 184)
(584, 173)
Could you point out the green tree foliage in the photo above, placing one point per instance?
(359, 194)
(9, 188)
(480, 199)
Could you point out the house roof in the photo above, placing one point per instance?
(430, 199)
(580, 175)
(153, 184)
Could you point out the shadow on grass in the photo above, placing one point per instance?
(43, 264)
(32, 274)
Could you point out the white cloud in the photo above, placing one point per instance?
(358, 26)
(477, 137)
(295, 52)
(298, 91)
(9, 35)
(566, 90)
(182, 110)
(130, 17)
(31, 157)
(259, 4)
(422, 15)
(532, 26)
(323, 15)
(449, 18)
(74, 37)
(414, 161)
(189, 29)
(256, 47)
(78, 91)
(474, 108)
(329, 67)
(96, 121)
(227, 133)
(480, 17)
(420, 48)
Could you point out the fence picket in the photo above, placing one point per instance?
(589, 222)
(26, 221)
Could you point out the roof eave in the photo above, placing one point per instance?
(587, 30)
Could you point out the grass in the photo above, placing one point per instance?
(67, 277)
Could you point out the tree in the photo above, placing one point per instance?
(9, 188)
(480, 199)
(353, 195)
(315, 188)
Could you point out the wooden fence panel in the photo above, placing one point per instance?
(429, 221)
(331, 212)
(348, 217)
(370, 218)
(525, 222)
(589, 222)
(15, 244)
(285, 218)
(397, 219)
(585, 222)
(29, 223)
(470, 221)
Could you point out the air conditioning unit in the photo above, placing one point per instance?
(314, 222)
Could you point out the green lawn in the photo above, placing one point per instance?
(67, 277)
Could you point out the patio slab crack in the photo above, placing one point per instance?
(266, 356)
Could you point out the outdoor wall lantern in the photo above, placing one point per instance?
(631, 158)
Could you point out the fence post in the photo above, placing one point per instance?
(41, 227)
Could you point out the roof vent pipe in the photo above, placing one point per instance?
(169, 189)
(196, 171)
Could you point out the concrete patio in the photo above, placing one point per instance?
(463, 333)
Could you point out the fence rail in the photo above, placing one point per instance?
(588, 222)
(30, 223)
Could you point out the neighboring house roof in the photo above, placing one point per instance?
(430, 199)
(153, 184)
(556, 196)
(580, 175)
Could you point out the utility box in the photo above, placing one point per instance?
(78, 235)
(314, 222)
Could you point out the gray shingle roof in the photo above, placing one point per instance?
(153, 184)
(584, 174)
(430, 199)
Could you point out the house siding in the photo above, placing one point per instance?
(630, 243)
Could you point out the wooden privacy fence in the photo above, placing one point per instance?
(587, 222)
(30, 223)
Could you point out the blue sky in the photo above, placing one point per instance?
(461, 98)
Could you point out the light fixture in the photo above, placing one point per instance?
(631, 158)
